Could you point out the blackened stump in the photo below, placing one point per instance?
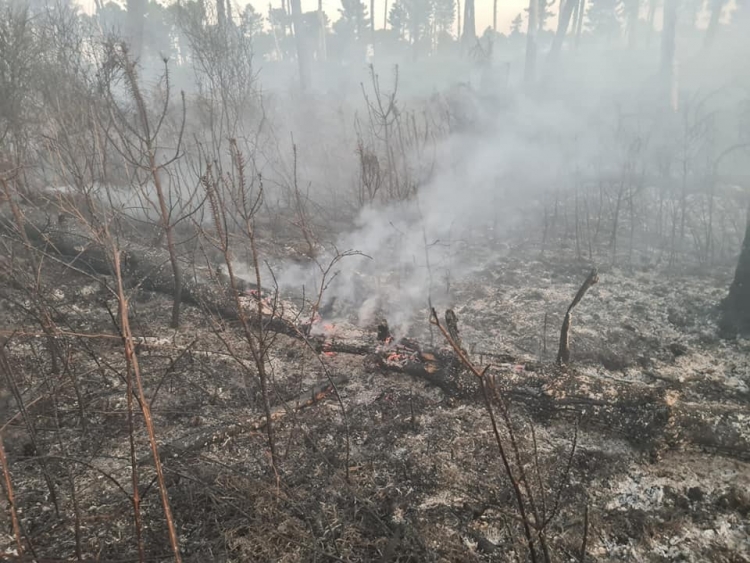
(384, 332)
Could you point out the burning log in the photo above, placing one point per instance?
(406, 356)
(563, 354)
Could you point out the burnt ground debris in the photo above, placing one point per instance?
(660, 405)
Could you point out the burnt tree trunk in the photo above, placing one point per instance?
(735, 314)
(143, 267)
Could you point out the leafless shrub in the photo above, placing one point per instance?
(222, 62)
(139, 146)
(395, 147)
(237, 192)
(535, 511)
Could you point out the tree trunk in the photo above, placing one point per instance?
(650, 21)
(533, 28)
(458, 21)
(139, 263)
(713, 23)
(323, 52)
(579, 21)
(136, 20)
(494, 16)
(632, 7)
(562, 30)
(230, 16)
(470, 30)
(221, 14)
(735, 309)
(668, 70)
(302, 52)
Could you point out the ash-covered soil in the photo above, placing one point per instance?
(408, 473)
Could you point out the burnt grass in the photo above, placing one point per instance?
(425, 481)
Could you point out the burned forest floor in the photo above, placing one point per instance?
(635, 451)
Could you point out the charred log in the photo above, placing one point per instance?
(147, 268)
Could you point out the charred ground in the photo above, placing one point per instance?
(637, 450)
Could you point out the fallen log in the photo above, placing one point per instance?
(147, 268)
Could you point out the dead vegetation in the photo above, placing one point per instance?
(165, 397)
(602, 461)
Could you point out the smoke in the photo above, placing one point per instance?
(479, 191)
(601, 113)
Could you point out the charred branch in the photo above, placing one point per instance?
(563, 354)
